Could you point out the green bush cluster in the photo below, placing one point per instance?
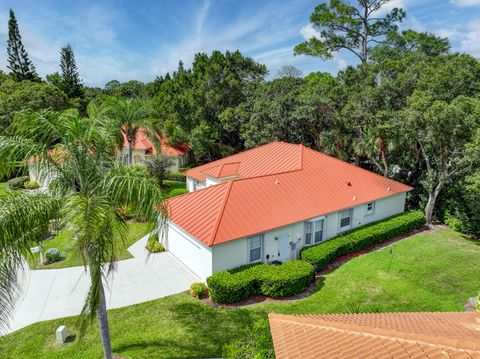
(175, 176)
(31, 185)
(361, 238)
(279, 281)
(198, 290)
(53, 255)
(154, 245)
(17, 183)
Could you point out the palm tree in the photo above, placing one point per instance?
(130, 116)
(87, 188)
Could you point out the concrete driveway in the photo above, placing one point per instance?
(55, 293)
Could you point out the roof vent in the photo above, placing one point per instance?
(349, 184)
(388, 188)
(277, 181)
(354, 198)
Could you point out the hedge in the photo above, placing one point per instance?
(361, 238)
(243, 282)
(175, 176)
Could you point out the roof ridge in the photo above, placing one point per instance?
(391, 334)
(301, 156)
(235, 154)
(219, 219)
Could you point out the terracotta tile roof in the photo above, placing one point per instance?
(288, 184)
(376, 335)
(142, 142)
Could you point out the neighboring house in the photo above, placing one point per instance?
(265, 204)
(376, 335)
(143, 148)
(42, 173)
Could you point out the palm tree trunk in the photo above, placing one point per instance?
(129, 152)
(103, 324)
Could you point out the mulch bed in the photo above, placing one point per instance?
(318, 276)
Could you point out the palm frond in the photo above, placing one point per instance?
(97, 228)
(24, 220)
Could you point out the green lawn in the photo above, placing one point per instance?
(3, 189)
(431, 271)
(66, 244)
(170, 186)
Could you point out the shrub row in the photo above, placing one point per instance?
(243, 282)
(361, 238)
(175, 176)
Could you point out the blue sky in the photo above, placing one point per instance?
(125, 40)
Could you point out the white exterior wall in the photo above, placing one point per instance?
(194, 185)
(191, 252)
(236, 253)
(138, 157)
(43, 179)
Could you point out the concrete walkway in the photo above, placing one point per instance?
(55, 293)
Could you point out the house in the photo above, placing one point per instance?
(376, 335)
(265, 204)
(143, 148)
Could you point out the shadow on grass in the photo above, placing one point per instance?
(193, 330)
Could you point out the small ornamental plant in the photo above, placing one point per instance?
(53, 255)
(198, 290)
(154, 245)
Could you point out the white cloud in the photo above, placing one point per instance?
(470, 42)
(464, 3)
(389, 6)
(308, 31)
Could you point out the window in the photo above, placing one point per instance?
(308, 233)
(318, 231)
(313, 232)
(345, 219)
(256, 243)
(369, 208)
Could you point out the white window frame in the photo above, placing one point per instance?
(341, 216)
(258, 236)
(314, 223)
(369, 212)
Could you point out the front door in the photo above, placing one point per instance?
(283, 247)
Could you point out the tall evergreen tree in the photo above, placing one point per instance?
(71, 83)
(20, 65)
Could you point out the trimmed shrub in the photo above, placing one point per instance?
(274, 281)
(361, 238)
(154, 245)
(53, 255)
(175, 176)
(17, 183)
(198, 290)
(31, 185)
(177, 192)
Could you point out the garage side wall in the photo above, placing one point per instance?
(196, 256)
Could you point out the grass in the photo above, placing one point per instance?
(170, 186)
(4, 189)
(66, 244)
(431, 271)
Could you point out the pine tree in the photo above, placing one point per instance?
(71, 83)
(20, 65)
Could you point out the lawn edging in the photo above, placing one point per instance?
(322, 254)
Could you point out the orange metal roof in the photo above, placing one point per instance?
(142, 142)
(284, 184)
(376, 335)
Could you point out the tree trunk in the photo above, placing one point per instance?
(103, 324)
(432, 197)
(129, 152)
